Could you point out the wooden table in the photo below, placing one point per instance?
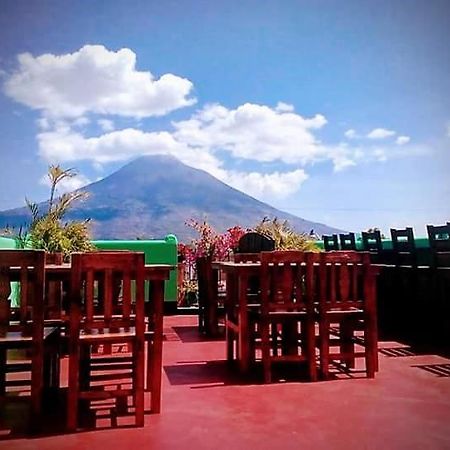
(156, 274)
(412, 301)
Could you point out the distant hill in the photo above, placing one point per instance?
(154, 195)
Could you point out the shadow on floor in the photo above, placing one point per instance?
(100, 415)
(205, 374)
(191, 333)
(412, 349)
(439, 370)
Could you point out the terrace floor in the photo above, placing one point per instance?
(206, 406)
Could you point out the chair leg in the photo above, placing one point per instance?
(73, 388)
(324, 344)
(346, 342)
(139, 368)
(230, 338)
(311, 349)
(37, 385)
(149, 377)
(371, 350)
(265, 349)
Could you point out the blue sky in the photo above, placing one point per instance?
(335, 111)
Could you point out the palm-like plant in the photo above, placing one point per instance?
(284, 236)
(47, 230)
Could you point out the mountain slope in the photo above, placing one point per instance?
(154, 195)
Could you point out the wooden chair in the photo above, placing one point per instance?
(94, 323)
(438, 311)
(371, 241)
(347, 297)
(25, 328)
(330, 242)
(347, 241)
(287, 316)
(254, 243)
(439, 240)
(253, 304)
(404, 247)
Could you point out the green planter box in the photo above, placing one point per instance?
(157, 251)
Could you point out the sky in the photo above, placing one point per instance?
(337, 112)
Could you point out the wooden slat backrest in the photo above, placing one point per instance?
(255, 242)
(439, 237)
(439, 240)
(115, 270)
(371, 240)
(285, 283)
(348, 241)
(330, 242)
(343, 276)
(403, 240)
(30, 265)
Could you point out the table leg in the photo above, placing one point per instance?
(154, 365)
(244, 347)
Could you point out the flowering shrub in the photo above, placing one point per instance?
(210, 243)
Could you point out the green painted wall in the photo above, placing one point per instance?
(162, 251)
(15, 293)
(387, 243)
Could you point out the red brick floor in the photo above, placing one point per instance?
(205, 406)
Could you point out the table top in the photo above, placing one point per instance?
(62, 271)
(231, 265)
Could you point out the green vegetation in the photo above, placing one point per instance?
(284, 236)
(47, 230)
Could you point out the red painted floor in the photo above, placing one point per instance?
(205, 406)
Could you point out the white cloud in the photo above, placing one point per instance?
(266, 186)
(106, 124)
(80, 122)
(380, 154)
(380, 133)
(350, 134)
(94, 79)
(43, 123)
(63, 144)
(402, 140)
(254, 132)
(284, 107)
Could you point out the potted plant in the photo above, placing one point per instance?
(210, 246)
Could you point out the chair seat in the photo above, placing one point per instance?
(108, 334)
(341, 311)
(279, 315)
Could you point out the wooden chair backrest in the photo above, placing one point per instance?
(330, 242)
(115, 272)
(345, 280)
(286, 281)
(439, 237)
(31, 266)
(254, 243)
(348, 241)
(403, 240)
(439, 240)
(371, 240)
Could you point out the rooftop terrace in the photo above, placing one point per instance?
(207, 405)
